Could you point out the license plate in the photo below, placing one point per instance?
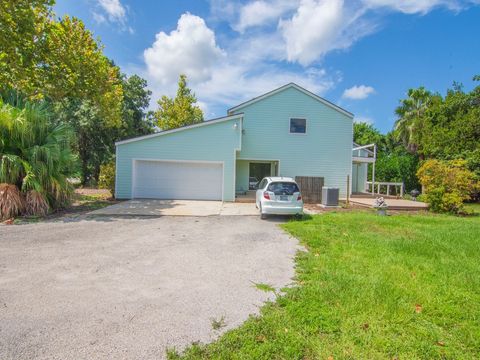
(283, 197)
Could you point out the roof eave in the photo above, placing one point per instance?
(166, 132)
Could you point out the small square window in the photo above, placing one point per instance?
(298, 126)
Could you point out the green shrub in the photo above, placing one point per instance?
(106, 180)
(447, 184)
(36, 159)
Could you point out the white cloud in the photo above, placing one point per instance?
(358, 92)
(190, 49)
(414, 6)
(234, 83)
(311, 29)
(248, 67)
(99, 18)
(363, 119)
(223, 10)
(112, 12)
(114, 9)
(271, 33)
(261, 12)
(320, 26)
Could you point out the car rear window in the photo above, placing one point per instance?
(283, 188)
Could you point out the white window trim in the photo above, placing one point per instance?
(297, 133)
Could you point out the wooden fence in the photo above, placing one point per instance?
(311, 188)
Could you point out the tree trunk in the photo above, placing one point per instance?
(84, 170)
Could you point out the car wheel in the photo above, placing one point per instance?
(262, 215)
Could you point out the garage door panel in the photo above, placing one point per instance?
(178, 180)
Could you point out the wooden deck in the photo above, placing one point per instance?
(393, 204)
(360, 199)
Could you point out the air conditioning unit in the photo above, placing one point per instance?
(330, 196)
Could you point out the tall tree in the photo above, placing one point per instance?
(411, 117)
(136, 99)
(45, 58)
(364, 133)
(180, 111)
(95, 138)
(75, 67)
(24, 28)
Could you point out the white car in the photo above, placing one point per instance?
(278, 196)
(252, 183)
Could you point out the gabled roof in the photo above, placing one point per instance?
(160, 133)
(299, 88)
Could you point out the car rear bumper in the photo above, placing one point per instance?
(282, 210)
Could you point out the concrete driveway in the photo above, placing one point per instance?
(110, 288)
(151, 207)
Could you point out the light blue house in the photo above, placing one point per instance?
(286, 132)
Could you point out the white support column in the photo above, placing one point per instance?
(373, 169)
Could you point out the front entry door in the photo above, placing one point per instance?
(259, 170)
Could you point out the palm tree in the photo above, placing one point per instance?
(35, 157)
(411, 114)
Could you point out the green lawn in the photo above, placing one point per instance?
(370, 287)
(474, 207)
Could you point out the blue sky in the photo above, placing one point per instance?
(360, 54)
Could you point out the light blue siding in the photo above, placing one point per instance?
(213, 142)
(325, 150)
(241, 181)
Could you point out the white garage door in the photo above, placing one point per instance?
(177, 180)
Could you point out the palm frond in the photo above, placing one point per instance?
(36, 203)
(35, 154)
(11, 201)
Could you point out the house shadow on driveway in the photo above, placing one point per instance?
(153, 207)
(144, 209)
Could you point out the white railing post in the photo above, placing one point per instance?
(376, 187)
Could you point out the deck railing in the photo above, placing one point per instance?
(385, 185)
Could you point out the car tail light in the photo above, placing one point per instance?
(299, 197)
(266, 196)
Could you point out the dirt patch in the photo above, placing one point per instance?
(316, 209)
(84, 200)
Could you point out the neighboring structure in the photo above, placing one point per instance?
(361, 157)
(286, 132)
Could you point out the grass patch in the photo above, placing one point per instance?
(370, 287)
(89, 202)
(264, 287)
(474, 208)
